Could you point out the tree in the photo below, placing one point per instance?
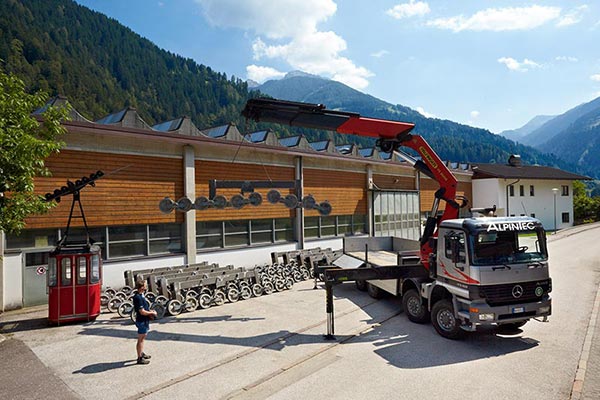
(24, 145)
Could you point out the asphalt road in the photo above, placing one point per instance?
(272, 347)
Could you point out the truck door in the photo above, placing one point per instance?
(454, 262)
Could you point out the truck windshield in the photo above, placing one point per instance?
(509, 247)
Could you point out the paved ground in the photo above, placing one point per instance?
(272, 347)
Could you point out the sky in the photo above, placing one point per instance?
(493, 64)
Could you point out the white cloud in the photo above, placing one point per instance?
(499, 19)
(515, 65)
(572, 17)
(424, 113)
(474, 114)
(261, 74)
(288, 30)
(380, 53)
(407, 10)
(567, 58)
(595, 77)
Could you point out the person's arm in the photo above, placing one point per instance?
(145, 313)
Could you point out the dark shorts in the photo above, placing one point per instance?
(143, 327)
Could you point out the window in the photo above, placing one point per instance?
(511, 190)
(165, 238)
(95, 276)
(127, 241)
(52, 279)
(532, 215)
(397, 214)
(209, 235)
(81, 270)
(565, 190)
(531, 190)
(65, 268)
(237, 233)
(455, 241)
(565, 218)
(330, 226)
(521, 190)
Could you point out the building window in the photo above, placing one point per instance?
(209, 235)
(126, 241)
(331, 226)
(164, 238)
(531, 190)
(521, 190)
(565, 190)
(511, 190)
(397, 214)
(565, 218)
(532, 215)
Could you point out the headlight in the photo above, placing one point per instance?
(486, 317)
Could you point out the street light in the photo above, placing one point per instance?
(554, 192)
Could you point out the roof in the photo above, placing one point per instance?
(505, 171)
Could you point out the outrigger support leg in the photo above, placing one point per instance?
(329, 309)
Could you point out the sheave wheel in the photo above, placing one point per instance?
(414, 307)
(444, 321)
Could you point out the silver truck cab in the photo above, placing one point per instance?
(495, 268)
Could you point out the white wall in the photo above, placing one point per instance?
(12, 290)
(486, 191)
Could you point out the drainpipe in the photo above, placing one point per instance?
(507, 186)
(370, 224)
(300, 211)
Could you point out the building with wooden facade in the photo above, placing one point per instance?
(370, 194)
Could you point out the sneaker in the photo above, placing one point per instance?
(146, 356)
(143, 361)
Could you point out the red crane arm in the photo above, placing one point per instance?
(391, 135)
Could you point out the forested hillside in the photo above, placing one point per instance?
(101, 66)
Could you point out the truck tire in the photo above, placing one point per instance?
(414, 307)
(374, 291)
(444, 321)
(361, 285)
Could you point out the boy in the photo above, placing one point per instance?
(142, 320)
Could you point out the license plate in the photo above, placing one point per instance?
(517, 310)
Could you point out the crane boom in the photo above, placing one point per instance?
(391, 136)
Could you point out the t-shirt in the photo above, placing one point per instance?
(139, 302)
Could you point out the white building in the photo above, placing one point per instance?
(541, 192)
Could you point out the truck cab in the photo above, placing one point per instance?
(494, 269)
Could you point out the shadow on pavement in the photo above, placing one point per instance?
(103, 367)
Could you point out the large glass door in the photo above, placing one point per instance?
(397, 214)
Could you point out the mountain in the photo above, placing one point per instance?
(102, 66)
(452, 141)
(519, 133)
(559, 124)
(579, 143)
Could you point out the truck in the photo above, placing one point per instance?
(464, 272)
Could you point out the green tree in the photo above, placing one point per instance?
(24, 145)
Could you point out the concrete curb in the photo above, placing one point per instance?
(577, 388)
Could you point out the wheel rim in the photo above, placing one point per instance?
(446, 320)
(414, 306)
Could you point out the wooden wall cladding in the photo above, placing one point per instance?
(207, 170)
(128, 197)
(391, 182)
(346, 191)
(429, 187)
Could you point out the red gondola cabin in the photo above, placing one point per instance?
(74, 283)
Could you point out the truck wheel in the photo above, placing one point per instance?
(361, 285)
(444, 321)
(374, 291)
(414, 308)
